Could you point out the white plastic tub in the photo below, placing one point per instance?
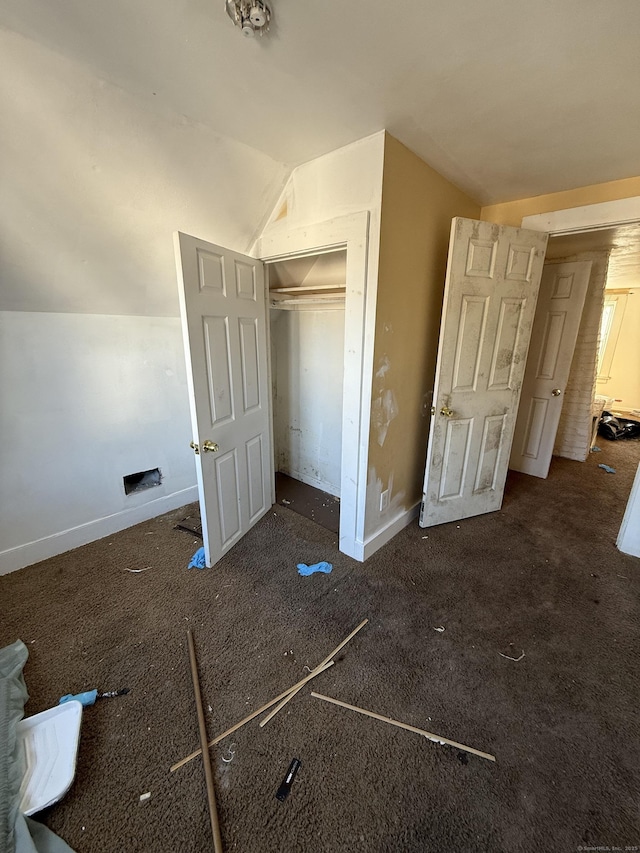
(50, 741)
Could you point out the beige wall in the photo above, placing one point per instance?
(511, 212)
(624, 381)
(417, 207)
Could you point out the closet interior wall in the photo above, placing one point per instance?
(307, 297)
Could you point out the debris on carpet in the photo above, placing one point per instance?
(198, 561)
(429, 735)
(206, 758)
(283, 698)
(88, 697)
(283, 791)
(230, 754)
(305, 570)
(510, 657)
(607, 468)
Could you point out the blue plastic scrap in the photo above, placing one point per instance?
(305, 570)
(607, 468)
(87, 698)
(198, 560)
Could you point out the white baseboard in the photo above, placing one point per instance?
(363, 550)
(65, 540)
(323, 485)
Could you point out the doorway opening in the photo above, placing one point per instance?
(605, 369)
(605, 362)
(307, 297)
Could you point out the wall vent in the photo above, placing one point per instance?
(141, 481)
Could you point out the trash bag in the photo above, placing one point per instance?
(613, 428)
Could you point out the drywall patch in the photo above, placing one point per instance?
(383, 410)
(384, 406)
(427, 402)
(395, 503)
(385, 366)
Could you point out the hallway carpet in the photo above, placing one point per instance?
(542, 577)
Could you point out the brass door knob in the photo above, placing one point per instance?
(556, 392)
(210, 447)
(447, 412)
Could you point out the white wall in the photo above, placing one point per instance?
(308, 368)
(573, 437)
(629, 536)
(622, 379)
(94, 182)
(86, 400)
(345, 182)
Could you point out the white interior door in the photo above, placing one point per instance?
(553, 340)
(491, 287)
(223, 309)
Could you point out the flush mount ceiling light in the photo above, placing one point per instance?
(252, 16)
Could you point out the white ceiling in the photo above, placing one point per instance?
(623, 243)
(507, 98)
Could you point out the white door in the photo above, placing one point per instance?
(223, 307)
(553, 340)
(491, 287)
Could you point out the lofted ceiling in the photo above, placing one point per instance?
(506, 98)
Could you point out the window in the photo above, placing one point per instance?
(615, 302)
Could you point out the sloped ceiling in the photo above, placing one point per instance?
(506, 99)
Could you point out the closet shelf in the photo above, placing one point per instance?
(307, 288)
(299, 297)
(309, 301)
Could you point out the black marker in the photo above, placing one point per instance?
(284, 789)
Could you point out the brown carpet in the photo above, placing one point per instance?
(543, 575)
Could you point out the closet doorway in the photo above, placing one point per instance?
(307, 297)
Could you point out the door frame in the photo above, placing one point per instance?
(585, 219)
(594, 217)
(590, 217)
(351, 233)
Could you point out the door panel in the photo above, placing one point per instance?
(555, 329)
(218, 364)
(491, 287)
(223, 309)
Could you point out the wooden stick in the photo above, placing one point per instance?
(430, 735)
(251, 716)
(328, 657)
(211, 794)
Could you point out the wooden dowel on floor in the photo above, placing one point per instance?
(328, 657)
(430, 735)
(252, 716)
(206, 758)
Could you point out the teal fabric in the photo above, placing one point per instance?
(13, 695)
(34, 837)
(18, 834)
